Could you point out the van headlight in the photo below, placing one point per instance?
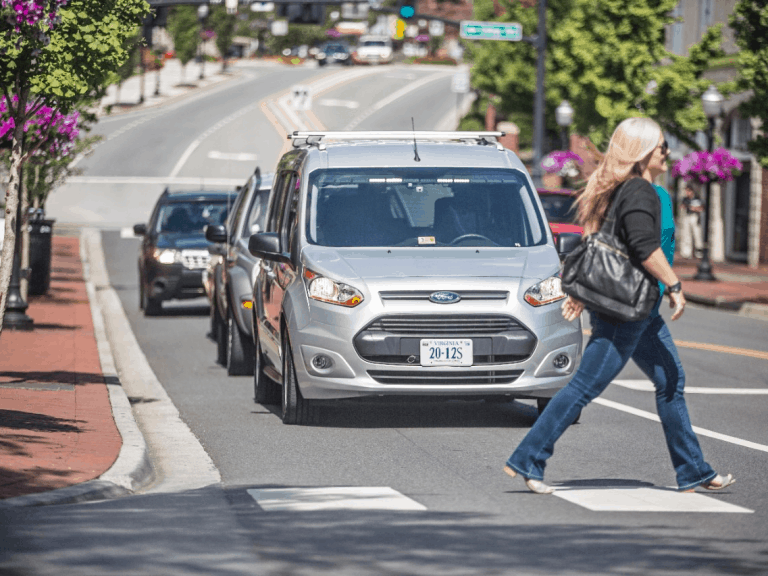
(330, 291)
(545, 292)
(167, 255)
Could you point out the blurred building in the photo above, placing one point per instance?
(739, 218)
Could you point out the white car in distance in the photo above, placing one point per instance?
(373, 50)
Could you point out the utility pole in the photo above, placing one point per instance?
(538, 106)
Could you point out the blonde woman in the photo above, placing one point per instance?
(636, 156)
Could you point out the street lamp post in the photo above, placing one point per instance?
(564, 117)
(712, 102)
(202, 14)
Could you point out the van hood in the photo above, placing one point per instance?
(399, 263)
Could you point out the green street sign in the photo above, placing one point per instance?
(491, 30)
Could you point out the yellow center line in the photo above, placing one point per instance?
(759, 354)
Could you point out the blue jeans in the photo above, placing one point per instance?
(647, 342)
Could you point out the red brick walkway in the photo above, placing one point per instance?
(56, 424)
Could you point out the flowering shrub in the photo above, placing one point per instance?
(31, 12)
(706, 167)
(562, 163)
(48, 131)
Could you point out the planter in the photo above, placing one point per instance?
(40, 236)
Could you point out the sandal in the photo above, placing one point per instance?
(717, 483)
(535, 486)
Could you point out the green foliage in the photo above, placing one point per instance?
(298, 34)
(132, 46)
(185, 31)
(83, 55)
(601, 57)
(223, 25)
(750, 24)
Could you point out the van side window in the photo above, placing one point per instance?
(290, 213)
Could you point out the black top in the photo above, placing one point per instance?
(639, 218)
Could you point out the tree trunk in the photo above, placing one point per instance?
(12, 202)
(24, 199)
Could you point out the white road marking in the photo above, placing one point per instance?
(392, 97)
(699, 431)
(334, 498)
(155, 180)
(220, 124)
(333, 102)
(647, 386)
(234, 156)
(641, 499)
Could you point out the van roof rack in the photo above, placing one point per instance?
(314, 138)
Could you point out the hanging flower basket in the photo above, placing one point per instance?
(562, 163)
(706, 167)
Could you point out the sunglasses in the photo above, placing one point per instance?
(664, 148)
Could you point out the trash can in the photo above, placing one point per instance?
(40, 236)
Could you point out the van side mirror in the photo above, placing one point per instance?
(567, 242)
(139, 229)
(266, 245)
(216, 233)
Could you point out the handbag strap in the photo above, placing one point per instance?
(610, 219)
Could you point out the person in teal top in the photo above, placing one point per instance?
(667, 235)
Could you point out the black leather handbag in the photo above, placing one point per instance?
(601, 274)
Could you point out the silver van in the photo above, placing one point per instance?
(406, 263)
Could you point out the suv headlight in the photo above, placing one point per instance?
(167, 255)
(545, 292)
(327, 290)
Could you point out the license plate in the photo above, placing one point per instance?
(446, 352)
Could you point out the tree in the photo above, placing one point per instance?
(750, 24)
(53, 53)
(185, 31)
(602, 57)
(223, 26)
(131, 45)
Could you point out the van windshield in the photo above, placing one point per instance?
(422, 207)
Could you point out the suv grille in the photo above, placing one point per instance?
(452, 325)
(442, 377)
(395, 339)
(195, 259)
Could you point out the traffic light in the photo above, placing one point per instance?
(407, 9)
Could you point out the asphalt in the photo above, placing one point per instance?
(67, 430)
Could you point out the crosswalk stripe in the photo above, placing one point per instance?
(332, 498)
(643, 499)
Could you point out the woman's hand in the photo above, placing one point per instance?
(677, 301)
(572, 308)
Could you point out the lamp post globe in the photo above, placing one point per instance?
(712, 103)
(564, 118)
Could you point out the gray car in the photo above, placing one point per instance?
(231, 273)
(406, 264)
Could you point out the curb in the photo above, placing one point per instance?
(742, 308)
(132, 469)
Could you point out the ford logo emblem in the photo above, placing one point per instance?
(444, 297)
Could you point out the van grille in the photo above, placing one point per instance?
(445, 377)
(452, 325)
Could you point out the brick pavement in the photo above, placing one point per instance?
(56, 423)
(735, 285)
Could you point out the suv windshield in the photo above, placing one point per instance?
(191, 217)
(560, 208)
(422, 207)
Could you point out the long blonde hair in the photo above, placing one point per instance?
(632, 142)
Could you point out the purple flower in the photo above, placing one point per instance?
(707, 167)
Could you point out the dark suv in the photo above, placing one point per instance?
(231, 273)
(174, 251)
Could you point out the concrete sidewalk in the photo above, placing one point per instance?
(737, 286)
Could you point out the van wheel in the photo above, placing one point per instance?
(239, 353)
(296, 410)
(265, 390)
(541, 404)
